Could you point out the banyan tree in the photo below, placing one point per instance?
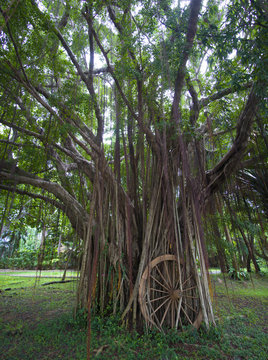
(129, 117)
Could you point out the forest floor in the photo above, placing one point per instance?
(36, 322)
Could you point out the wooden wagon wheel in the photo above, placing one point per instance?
(167, 297)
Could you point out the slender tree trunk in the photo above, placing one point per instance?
(41, 252)
(248, 264)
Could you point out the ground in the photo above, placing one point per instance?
(37, 322)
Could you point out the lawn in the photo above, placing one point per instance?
(35, 273)
(36, 322)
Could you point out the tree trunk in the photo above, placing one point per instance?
(248, 264)
(250, 247)
(112, 272)
(42, 247)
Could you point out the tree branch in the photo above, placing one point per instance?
(149, 134)
(190, 35)
(53, 202)
(20, 129)
(34, 91)
(82, 75)
(75, 121)
(205, 101)
(195, 108)
(14, 44)
(7, 16)
(8, 142)
(87, 82)
(10, 171)
(217, 175)
(76, 213)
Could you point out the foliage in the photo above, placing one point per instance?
(26, 259)
(238, 275)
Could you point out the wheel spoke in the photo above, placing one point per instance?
(187, 280)
(154, 321)
(189, 307)
(165, 313)
(185, 313)
(173, 274)
(172, 314)
(192, 297)
(177, 284)
(190, 288)
(167, 271)
(159, 298)
(161, 275)
(162, 291)
(159, 307)
(159, 283)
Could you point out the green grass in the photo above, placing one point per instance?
(253, 292)
(256, 286)
(37, 323)
(20, 282)
(44, 273)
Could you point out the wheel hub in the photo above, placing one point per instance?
(175, 294)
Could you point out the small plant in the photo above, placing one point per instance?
(238, 275)
(13, 328)
(79, 320)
